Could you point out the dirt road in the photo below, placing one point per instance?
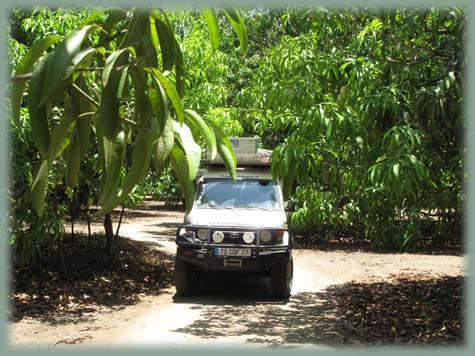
(234, 310)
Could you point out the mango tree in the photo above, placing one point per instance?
(115, 82)
(364, 110)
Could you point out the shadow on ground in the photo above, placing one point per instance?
(77, 278)
(401, 312)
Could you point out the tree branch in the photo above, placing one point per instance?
(402, 62)
(85, 95)
(21, 78)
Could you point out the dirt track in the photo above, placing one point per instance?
(234, 310)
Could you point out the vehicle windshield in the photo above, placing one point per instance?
(246, 193)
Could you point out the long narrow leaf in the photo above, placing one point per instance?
(167, 45)
(196, 123)
(114, 152)
(25, 66)
(39, 187)
(213, 27)
(164, 144)
(61, 60)
(60, 136)
(159, 102)
(80, 106)
(171, 92)
(39, 113)
(140, 164)
(113, 18)
(179, 72)
(180, 166)
(109, 119)
(72, 160)
(110, 62)
(191, 149)
(137, 28)
(225, 150)
(239, 27)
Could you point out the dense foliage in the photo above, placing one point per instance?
(363, 109)
(106, 90)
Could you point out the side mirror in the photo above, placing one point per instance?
(291, 206)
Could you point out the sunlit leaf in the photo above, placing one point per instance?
(24, 67)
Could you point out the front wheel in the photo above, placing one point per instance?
(183, 277)
(281, 277)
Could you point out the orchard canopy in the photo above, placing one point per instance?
(363, 109)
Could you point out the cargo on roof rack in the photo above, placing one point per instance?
(246, 151)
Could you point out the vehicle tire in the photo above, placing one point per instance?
(281, 276)
(183, 278)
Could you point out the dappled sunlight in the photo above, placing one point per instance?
(403, 311)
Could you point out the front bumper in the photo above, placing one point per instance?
(204, 254)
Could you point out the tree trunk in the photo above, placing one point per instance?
(109, 234)
(120, 221)
(71, 212)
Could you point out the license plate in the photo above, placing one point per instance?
(232, 252)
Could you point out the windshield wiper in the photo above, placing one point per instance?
(212, 204)
(252, 206)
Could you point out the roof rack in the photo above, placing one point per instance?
(246, 151)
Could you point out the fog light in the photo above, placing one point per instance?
(218, 237)
(265, 236)
(203, 234)
(248, 237)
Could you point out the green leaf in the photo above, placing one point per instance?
(396, 168)
(80, 61)
(60, 136)
(149, 46)
(159, 102)
(182, 170)
(225, 150)
(168, 44)
(164, 144)
(191, 149)
(111, 60)
(239, 28)
(199, 126)
(171, 92)
(82, 111)
(39, 187)
(140, 164)
(39, 113)
(72, 161)
(137, 28)
(79, 144)
(113, 18)
(143, 107)
(25, 66)
(114, 152)
(179, 72)
(213, 27)
(60, 62)
(109, 121)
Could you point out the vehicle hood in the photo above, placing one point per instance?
(236, 217)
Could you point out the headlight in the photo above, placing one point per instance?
(218, 237)
(265, 236)
(203, 234)
(248, 237)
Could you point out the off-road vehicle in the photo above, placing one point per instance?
(236, 224)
